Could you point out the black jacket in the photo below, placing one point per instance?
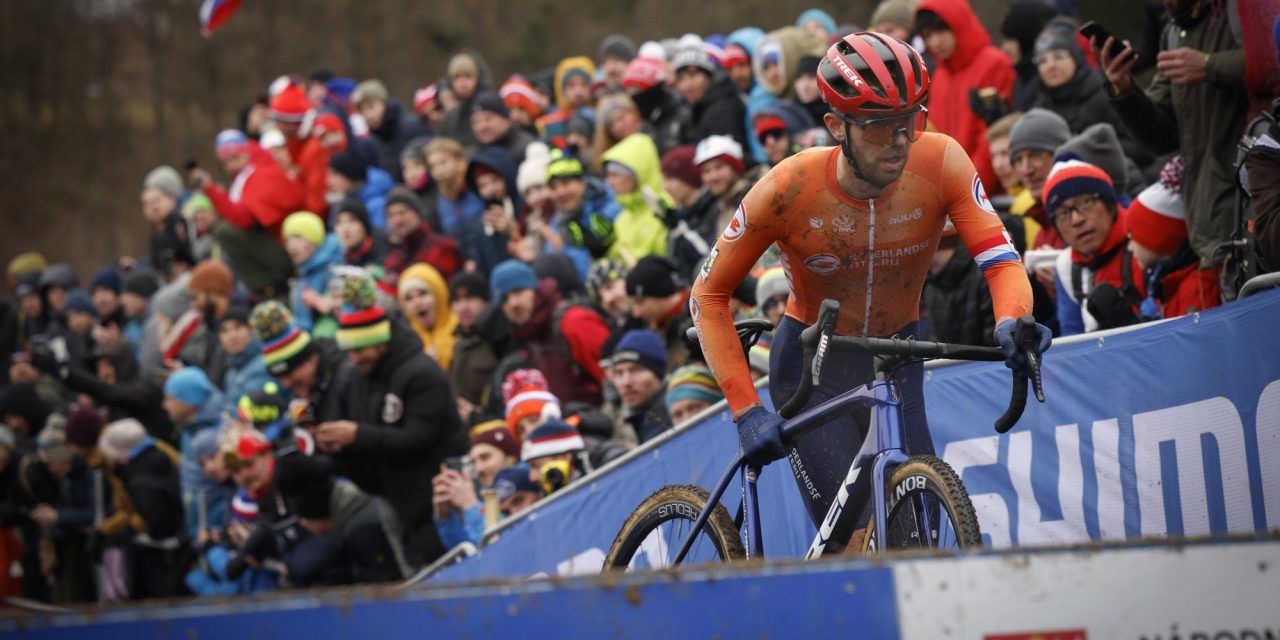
(669, 120)
(720, 112)
(151, 478)
(958, 303)
(332, 382)
(398, 127)
(138, 399)
(693, 233)
(1083, 101)
(408, 426)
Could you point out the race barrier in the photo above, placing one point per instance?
(1154, 431)
(1218, 590)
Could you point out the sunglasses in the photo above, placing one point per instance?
(885, 130)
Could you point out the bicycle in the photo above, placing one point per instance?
(922, 501)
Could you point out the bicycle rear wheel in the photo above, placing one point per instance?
(652, 536)
(927, 507)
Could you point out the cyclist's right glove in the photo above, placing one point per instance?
(760, 435)
(1014, 358)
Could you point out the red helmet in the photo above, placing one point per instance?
(872, 73)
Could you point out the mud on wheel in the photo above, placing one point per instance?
(927, 507)
(652, 535)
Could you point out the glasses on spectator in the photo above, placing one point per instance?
(885, 130)
(766, 136)
(1052, 55)
(1083, 206)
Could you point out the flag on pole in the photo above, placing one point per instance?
(214, 13)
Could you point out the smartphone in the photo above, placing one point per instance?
(1092, 29)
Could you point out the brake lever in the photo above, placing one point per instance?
(1033, 366)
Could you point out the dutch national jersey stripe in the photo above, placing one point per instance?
(988, 253)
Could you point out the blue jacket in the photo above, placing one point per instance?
(458, 528)
(598, 199)
(314, 274)
(217, 496)
(246, 373)
(455, 214)
(373, 194)
(214, 582)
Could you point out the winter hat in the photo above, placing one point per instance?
(1040, 130)
(362, 322)
(575, 67)
(462, 65)
(1024, 22)
(515, 479)
(1060, 35)
(771, 283)
(1073, 177)
(84, 426)
(769, 122)
(369, 90)
(491, 102)
(900, 13)
(531, 402)
(652, 49)
(351, 164)
(327, 123)
(517, 93)
(551, 438)
(425, 96)
(601, 274)
(59, 275)
(211, 276)
(821, 16)
(652, 277)
(807, 66)
(401, 194)
(694, 56)
(560, 268)
(51, 443)
(582, 125)
(644, 73)
(564, 165)
(1157, 217)
(164, 178)
(496, 434)
(693, 382)
(244, 508)
(1099, 145)
(305, 225)
(80, 301)
(190, 386)
(616, 45)
(644, 348)
(511, 275)
(291, 104)
(26, 263)
(204, 444)
(142, 283)
(719, 147)
(196, 202)
(236, 312)
(533, 171)
(227, 143)
(271, 139)
(521, 380)
(356, 208)
(120, 438)
(251, 443)
(467, 284)
(106, 278)
(284, 344)
(735, 54)
(678, 163)
(264, 407)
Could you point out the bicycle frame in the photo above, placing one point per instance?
(882, 448)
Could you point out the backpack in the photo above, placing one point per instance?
(1242, 261)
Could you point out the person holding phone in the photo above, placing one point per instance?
(1196, 103)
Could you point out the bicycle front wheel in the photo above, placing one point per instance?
(653, 535)
(927, 507)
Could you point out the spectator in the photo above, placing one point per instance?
(637, 369)
(491, 123)
(413, 240)
(424, 301)
(59, 485)
(201, 218)
(105, 292)
(80, 316)
(1096, 285)
(584, 212)
(1158, 240)
(492, 176)
(737, 66)
(716, 109)
(967, 64)
(457, 510)
(193, 336)
(1262, 164)
(213, 499)
(1032, 143)
(553, 452)
(573, 98)
(633, 171)
(389, 122)
(516, 489)
(314, 371)
(1010, 183)
(1193, 105)
(426, 105)
(524, 104)
(693, 223)
(493, 448)
(817, 22)
(260, 198)
(315, 255)
(400, 421)
(363, 245)
(607, 289)
(473, 362)
(563, 340)
(352, 175)
(194, 405)
(113, 382)
(955, 299)
(22, 370)
(616, 51)
(135, 300)
(667, 116)
(467, 75)
(894, 18)
(161, 190)
(719, 160)
(528, 401)
(690, 391)
(56, 285)
(776, 129)
(804, 85)
(305, 157)
(457, 205)
(24, 413)
(1021, 26)
(773, 289)
(661, 304)
(243, 370)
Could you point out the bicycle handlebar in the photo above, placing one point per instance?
(820, 338)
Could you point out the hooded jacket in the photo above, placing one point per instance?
(597, 201)
(974, 64)
(408, 425)
(640, 229)
(488, 248)
(373, 193)
(438, 339)
(399, 126)
(720, 112)
(314, 274)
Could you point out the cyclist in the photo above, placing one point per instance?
(858, 223)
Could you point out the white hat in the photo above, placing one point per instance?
(712, 147)
(120, 437)
(271, 139)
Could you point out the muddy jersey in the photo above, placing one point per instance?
(870, 255)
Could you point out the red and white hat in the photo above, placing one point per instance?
(1158, 217)
(644, 73)
(425, 96)
(720, 147)
(290, 104)
(551, 438)
(517, 93)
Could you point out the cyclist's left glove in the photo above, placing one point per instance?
(760, 435)
(1014, 358)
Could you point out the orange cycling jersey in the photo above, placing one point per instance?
(870, 255)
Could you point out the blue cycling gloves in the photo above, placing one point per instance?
(760, 435)
(1014, 358)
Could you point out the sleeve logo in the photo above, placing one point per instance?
(980, 195)
(737, 226)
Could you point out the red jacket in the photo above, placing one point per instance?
(974, 64)
(262, 195)
(1189, 289)
(313, 168)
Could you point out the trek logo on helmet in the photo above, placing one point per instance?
(849, 73)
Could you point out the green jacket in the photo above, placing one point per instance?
(640, 229)
(1204, 121)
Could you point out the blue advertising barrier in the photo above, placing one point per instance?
(1159, 430)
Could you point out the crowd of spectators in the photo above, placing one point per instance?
(383, 325)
